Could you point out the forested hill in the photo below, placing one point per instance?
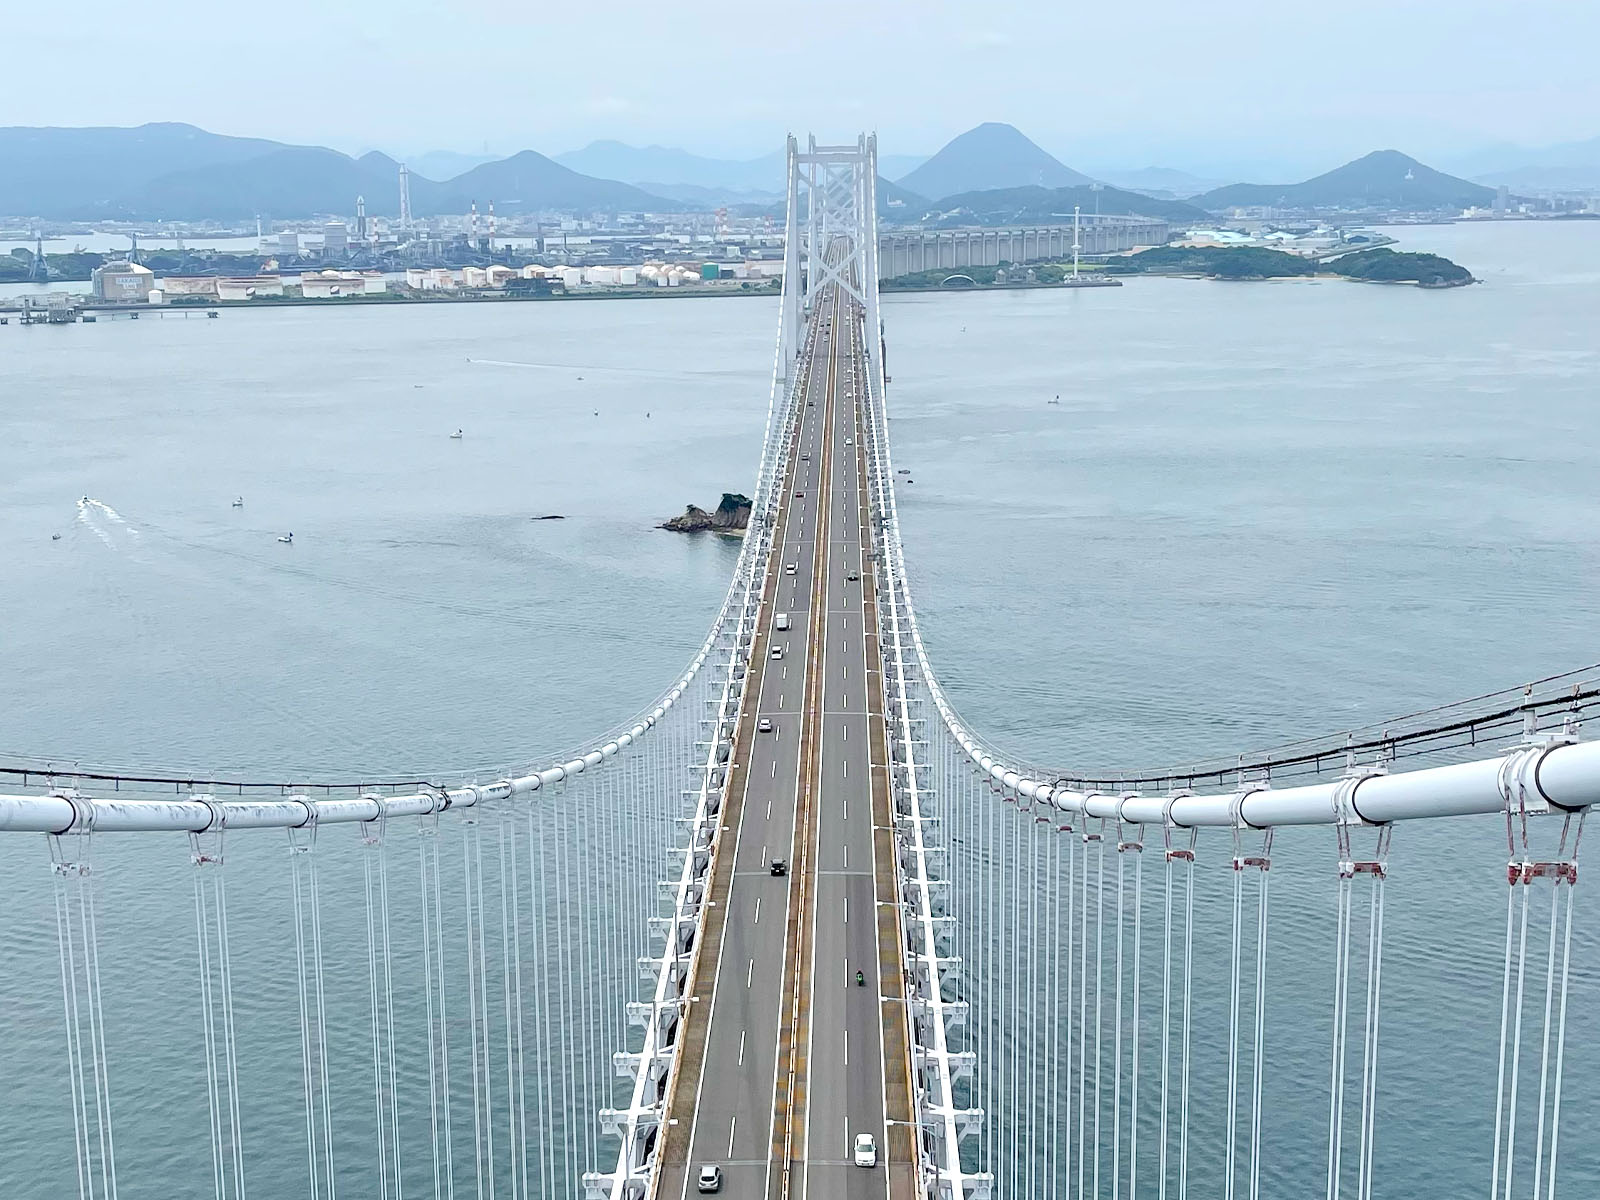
(992, 155)
(1384, 179)
(178, 172)
(1053, 206)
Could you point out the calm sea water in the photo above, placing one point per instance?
(1258, 511)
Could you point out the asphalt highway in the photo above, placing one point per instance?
(793, 1065)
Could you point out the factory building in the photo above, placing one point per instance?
(334, 285)
(189, 285)
(430, 279)
(335, 240)
(249, 287)
(123, 281)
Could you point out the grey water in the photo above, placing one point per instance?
(1258, 511)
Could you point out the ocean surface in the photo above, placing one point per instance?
(1258, 511)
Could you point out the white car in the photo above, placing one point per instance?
(710, 1179)
(866, 1154)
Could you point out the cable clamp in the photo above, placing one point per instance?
(1134, 843)
(1526, 872)
(1176, 853)
(303, 837)
(372, 830)
(1243, 857)
(205, 845)
(81, 829)
(1347, 817)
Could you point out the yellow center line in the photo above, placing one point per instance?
(805, 828)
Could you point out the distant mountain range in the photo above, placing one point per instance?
(990, 174)
(667, 165)
(720, 180)
(1568, 166)
(1382, 179)
(711, 197)
(987, 157)
(178, 172)
(1053, 206)
(1162, 182)
(445, 164)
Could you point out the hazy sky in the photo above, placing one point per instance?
(1166, 82)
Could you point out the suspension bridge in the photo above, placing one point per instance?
(797, 924)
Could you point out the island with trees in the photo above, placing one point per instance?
(1376, 265)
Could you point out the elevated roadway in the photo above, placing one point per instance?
(786, 1059)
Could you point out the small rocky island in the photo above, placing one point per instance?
(732, 516)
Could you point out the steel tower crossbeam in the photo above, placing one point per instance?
(838, 198)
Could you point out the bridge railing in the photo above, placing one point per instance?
(1051, 1020)
(941, 1120)
(538, 818)
(655, 1068)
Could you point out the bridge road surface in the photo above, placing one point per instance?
(782, 1059)
(849, 1073)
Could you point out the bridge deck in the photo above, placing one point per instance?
(785, 1058)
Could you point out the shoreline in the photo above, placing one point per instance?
(10, 305)
(889, 288)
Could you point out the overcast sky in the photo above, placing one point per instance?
(1163, 82)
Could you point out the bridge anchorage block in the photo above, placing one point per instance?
(968, 1121)
(662, 927)
(612, 1120)
(626, 1064)
(955, 1014)
(652, 1064)
(961, 1062)
(936, 966)
(639, 1012)
(675, 968)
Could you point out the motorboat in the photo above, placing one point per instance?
(457, 435)
(238, 502)
(287, 539)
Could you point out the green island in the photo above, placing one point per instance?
(1378, 265)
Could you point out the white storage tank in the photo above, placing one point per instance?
(628, 277)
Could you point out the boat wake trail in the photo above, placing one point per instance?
(92, 514)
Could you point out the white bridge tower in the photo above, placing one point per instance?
(841, 200)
